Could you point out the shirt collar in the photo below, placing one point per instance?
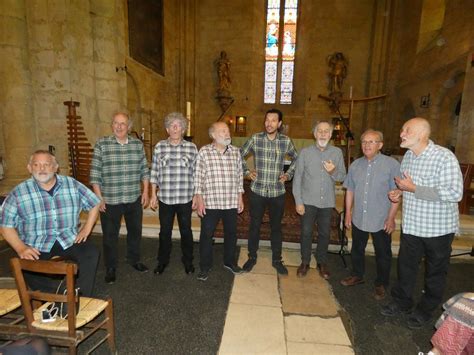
(375, 158)
(115, 138)
(175, 145)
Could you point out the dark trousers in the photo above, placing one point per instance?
(208, 226)
(436, 251)
(322, 217)
(276, 207)
(86, 255)
(383, 254)
(167, 214)
(111, 220)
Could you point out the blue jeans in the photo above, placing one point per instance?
(276, 207)
(208, 226)
(167, 214)
(383, 254)
(322, 217)
(110, 220)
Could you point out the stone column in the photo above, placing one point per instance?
(17, 126)
(465, 143)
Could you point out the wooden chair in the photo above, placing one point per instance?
(68, 332)
(9, 318)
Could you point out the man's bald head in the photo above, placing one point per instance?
(415, 134)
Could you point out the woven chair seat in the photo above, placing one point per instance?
(9, 301)
(89, 308)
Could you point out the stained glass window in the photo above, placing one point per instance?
(279, 59)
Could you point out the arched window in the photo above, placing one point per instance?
(280, 51)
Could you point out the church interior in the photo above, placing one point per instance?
(358, 64)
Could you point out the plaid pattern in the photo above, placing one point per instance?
(219, 177)
(172, 170)
(269, 162)
(118, 169)
(42, 219)
(433, 209)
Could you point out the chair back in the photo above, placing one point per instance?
(27, 296)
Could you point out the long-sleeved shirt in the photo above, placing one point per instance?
(312, 184)
(172, 170)
(43, 217)
(269, 156)
(219, 177)
(370, 182)
(432, 210)
(118, 169)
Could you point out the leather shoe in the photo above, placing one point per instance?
(323, 271)
(352, 281)
(160, 268)
(379, 293)
(302, 270)
(140, 267)
(110, 276)
(188, 269)
(418, 319)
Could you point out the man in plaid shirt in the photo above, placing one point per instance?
(118, 168)
(172, 185)
(218, 195)
(431, 185)
(269, 148)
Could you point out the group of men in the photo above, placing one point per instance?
(40, 217)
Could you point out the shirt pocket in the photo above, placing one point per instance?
(164, 160)
(185, 161)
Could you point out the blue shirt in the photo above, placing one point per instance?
(41, 218)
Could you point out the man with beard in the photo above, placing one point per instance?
(318, 168)
(218, 195)
(270, 149)
(431, 186)
(40, 219)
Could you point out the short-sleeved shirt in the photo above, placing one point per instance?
(219, 177)
(371, 181)
(432, 210)
(312, 184)
(41, 218)
(118, 169)
(172, 170)
(269, 158)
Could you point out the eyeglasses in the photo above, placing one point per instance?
(369, 142)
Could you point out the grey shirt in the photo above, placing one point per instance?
(370, 181)
(312, 185)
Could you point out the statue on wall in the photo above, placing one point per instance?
(223, 97)
(337, 63)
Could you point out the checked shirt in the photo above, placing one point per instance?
(269, 158)
(432, 210)
(172, 170)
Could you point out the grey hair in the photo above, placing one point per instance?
(43, 151)
(176, 116)
(317, 123)
(125, 114)
(370, 130)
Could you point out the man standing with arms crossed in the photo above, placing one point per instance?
(118, 168)
(269, 148)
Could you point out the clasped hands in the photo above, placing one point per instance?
(253, 176)
(404, 183)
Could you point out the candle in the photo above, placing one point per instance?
(350, 93)
(188, 117)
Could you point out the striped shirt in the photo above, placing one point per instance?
(432, 210)
(41, 218)
(118, 169)
(269, 158)
(172, 171)
(219, 177)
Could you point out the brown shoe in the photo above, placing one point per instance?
(302, 270)
(379, 293)
(323, 271)
(352, 281)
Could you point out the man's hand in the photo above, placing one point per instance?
(199, 206)
(81, 236)
(154, 202)
(405, 184)
(348, 219)
(252, 175)
(283, 178)
(300, 209)
(29, 253)
(240, 208)
(329, 166)
(102, 206)
(389, 225)
(145, 199)
(395, 195)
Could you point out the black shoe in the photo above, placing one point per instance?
(140, 267)
(189, 269)
(418, 320)
(235, 269)
(110, 276)
(393, 309)
(203, 275)
(280, 268)
(249, 264)
(160, 268)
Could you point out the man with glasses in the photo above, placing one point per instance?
(368, 210)
(318, 168)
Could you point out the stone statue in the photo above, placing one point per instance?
(223, 71)
(337, 72)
